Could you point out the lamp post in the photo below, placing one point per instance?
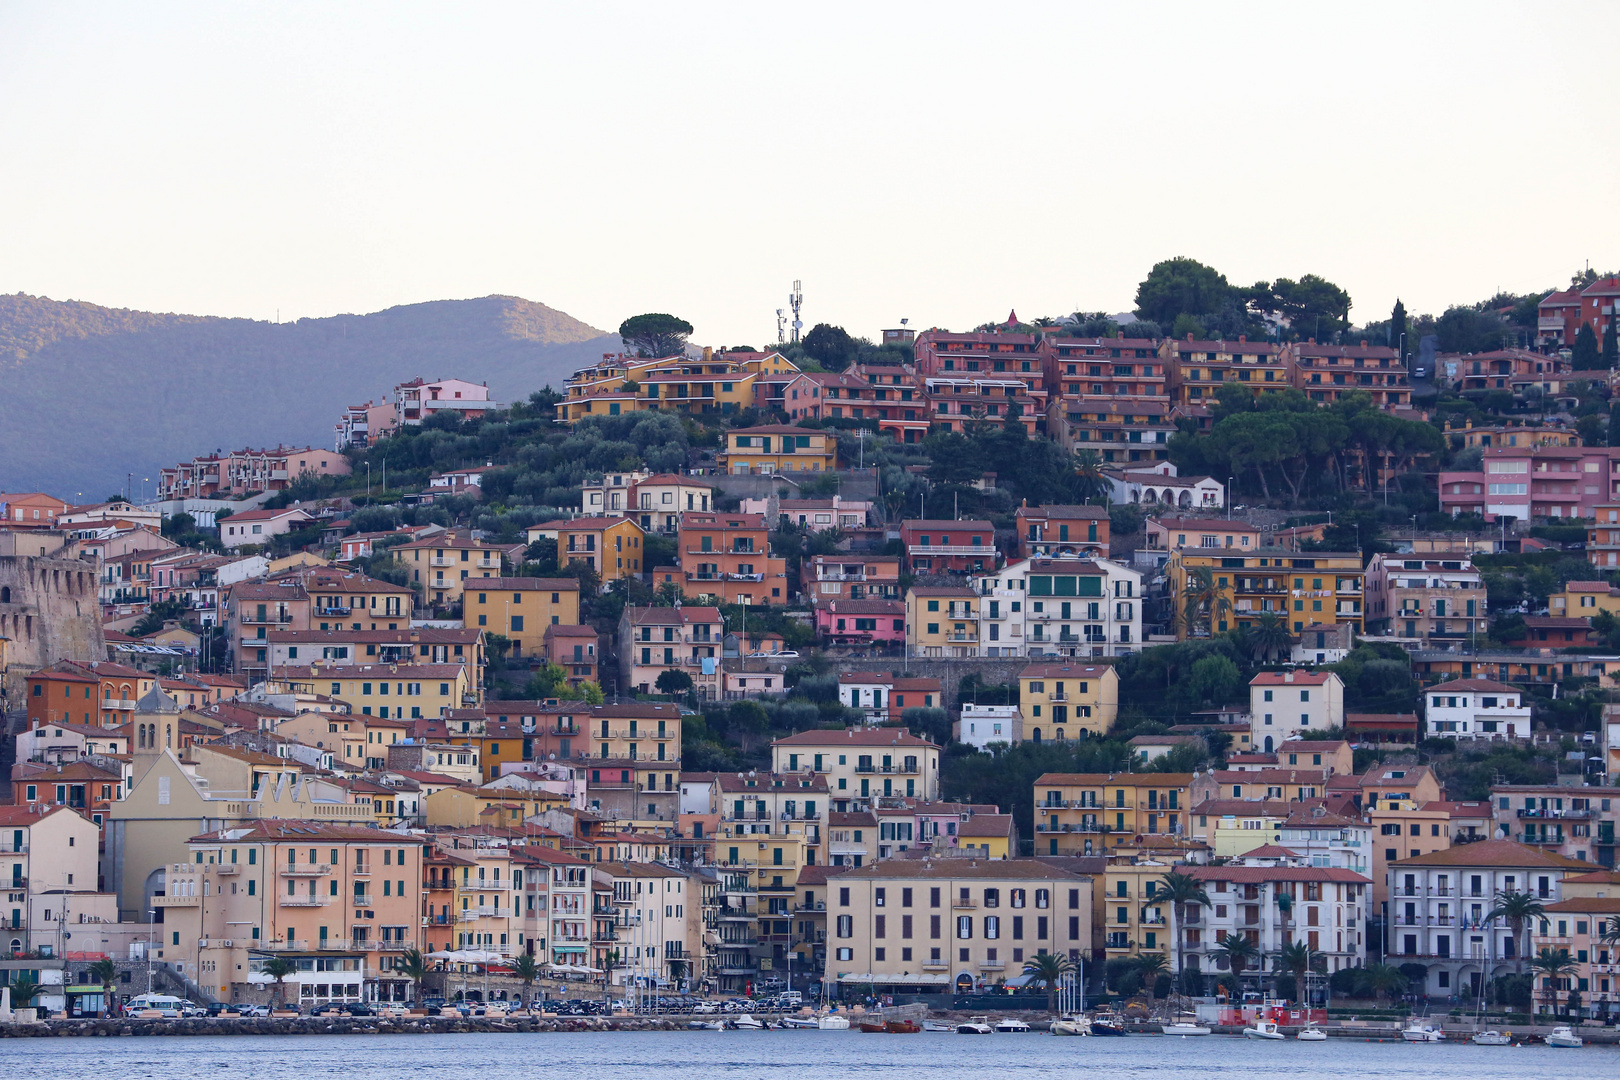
(151, 920)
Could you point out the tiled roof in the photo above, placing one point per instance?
(1064, 671)
(1496, 853)
(883, 736)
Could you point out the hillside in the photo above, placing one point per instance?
(89, 393)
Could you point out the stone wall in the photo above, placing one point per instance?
(50, 611)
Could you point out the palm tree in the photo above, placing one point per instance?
(1203, 599)
(525, 967)
(1518, 908)
(1554, 965)
(1386, 979)
(23, 990)
(414, 966)
(1238, 951)
(105, 972)
(1150, 965)
(1088, 468)
(1295, 958)
(1048, 969)
(1269, 637)
(278, 968)
(1180, 891)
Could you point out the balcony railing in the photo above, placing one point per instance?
(308, 870)
(305, 900)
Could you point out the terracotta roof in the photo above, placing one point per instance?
(532, 584)
(301, 831)
(1270, 851)
(1064, 671)
(1496, 853)
(1246, 875)
(997, 825)
(1088, 513)
(1483, 685)
(854, 737)
(1155, 780)
(1276, 808)
(818, 874)
(988, 869)
(1218, 524)
(867, 607)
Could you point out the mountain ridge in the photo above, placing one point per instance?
(149, 389)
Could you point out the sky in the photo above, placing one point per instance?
(939, 162)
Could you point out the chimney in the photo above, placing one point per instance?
(1243, 337)
(1363, 343)
(1310, 341)
(1189, 335)
(1119, 334)
(708, 353)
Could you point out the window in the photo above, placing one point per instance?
(964, 927)
(846, 926)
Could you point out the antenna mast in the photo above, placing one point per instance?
(796, 301)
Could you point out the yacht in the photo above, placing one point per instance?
(937, 1025)
(977, 1025)
(1263, 1029)
(745, 1022)
(1073, 1024)
(1184, 1024)
(1564, 1037)
(1012, 1026)
(1491, 1038)
(833, 1023)
(1311, 1033)
(1419, 1030)
(1107, 1023)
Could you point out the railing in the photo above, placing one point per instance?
(305, 900)
(362, 900)
(255, 620)
(281, 945)
(308, 870)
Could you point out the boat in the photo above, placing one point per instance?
(937, 1025)
(977, 1025)
(1419, 1030)
(1311, 1033)
(706, 1025)
(833, 1023)
(1184, 1027)
(1074, 1024)
(1564, 1037)
(1012, 1026)
(902, 1027)
(745, 1022)
(1107, 1023)
(1263, 1029)
(871, 1027)
(800, 1023)
(1492, 1038)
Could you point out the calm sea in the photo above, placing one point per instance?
(791, 1055)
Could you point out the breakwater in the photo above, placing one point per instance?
(338, 1025)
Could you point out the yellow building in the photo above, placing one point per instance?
(520, 609)
(397, 691)
(464, 807)
(779, 448)
(1235, 827)
(1090, 813)
(612, 546)
(1067, 700)
(1309, 587)
(722, 383)
(990, 836)
(1134, 921)
(942, 621)
(1583, 599)
(439, 564)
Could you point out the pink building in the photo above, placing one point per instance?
(362, 425)
(1528, 482)
(862, 622)
(417, 400)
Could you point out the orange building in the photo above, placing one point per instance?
(728, 556)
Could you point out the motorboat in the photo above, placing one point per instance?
(977, 1025)
(1491, 1038)
(706, 1025)
(1311, 1033)
(800, 1023)
(1421, 1031)
(901, 1027)
(870, 1027)
(1073, 1024)
(1563, 1036)
(1184, 1027)
(833, 1023)
(1107, 1023)
(1012, 1026)
(937, 1025)
(745, 1022)
(1263, 1029)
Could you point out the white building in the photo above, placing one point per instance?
(1158, 485)
(1284, 703)
(611, 496)
(1476, 709)
(1081, 608)
(982, 725)
(1324, 643)
(1324, 839)
(1328, 911)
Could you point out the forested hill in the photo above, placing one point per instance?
(89, 393)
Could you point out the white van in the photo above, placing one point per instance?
(161, 1002)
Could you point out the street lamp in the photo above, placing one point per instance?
(151, 921)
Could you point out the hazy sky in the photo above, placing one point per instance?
(943, 162)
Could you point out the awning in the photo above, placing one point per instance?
(906, 979)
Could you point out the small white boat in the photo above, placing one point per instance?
(800, 1022)
(746, 1022)
(1491, 1038)
(1564, 1037)
(937, 1025)
(833, 1023)
(1012, 1026)
(977, 1025)
(1073, 1024)
(706, 1025)
(1311, 1033)
(1184, 1027)
(1263, 1029)
(1421, 1031)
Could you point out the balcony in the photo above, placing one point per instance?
(362, 900)
(950, 549)
(308, 870)
(960, 904)
(281, 619)
(282, 945)
(1579, 815)
(305, 900)
(176, 901)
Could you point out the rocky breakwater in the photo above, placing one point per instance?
(335, 1025)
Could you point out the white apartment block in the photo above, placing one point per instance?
(1476, 709)
(1328, 912)
(1081, 608)
(1284, 703)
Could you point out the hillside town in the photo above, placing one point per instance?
(1165, 663)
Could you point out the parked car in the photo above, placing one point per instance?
(358, 1009)
(253, 1010)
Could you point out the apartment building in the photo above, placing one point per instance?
(1603, 536)
(419, 400)
(1198, 370)
(1061, 701)
(1234, 827)
(246, 471)
(942, 621)
(654, 945)
(1174, 533)
(1328, 909)
(397, 691)
(894, 397)
(1109, 396)
(1505, 369)
(1583, 599)
(1308, 587)
(1563, 313)
(862, 764)
(556, 893)
(49, 864)
(1440, 905)
(885, 696)
(1476, 709)
(1322, 838)
(825, 578)
(1060, 607)
(653, 640)
(1284, 703)
(573, 648)
(608, 545)
(1327, 372)
(728, 556)
(1529, 482)
(949, 547)
(861, 622)
(335, 900)
(1438, 598)
(950, 925)
(341, 645)
(522, 609)
(1575, 822)
(659, 502)
(1577, 924)
(957, 402)
(779, 448)
(1092, 813)
(722, 383)
(440, 565)
(1053, 531)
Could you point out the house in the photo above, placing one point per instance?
(778, 448)
(1059, 531)
(1160, 486)
(1093, 813)
(49, 861)
(1327, 372)
(31, 509)
(1170, 533)
(894, 397)
(1327, 911)
(1305, 587)
(862, 764)
(1575, 822)
(949, 547)
(573, 648)
(1562, 314)
(1060, 607)
(728, 556)
(861, 622)
(398, 691)
(1583, 599)
(814, 515)
(1153, 747)
(1554, 632)
(258, 526)
(361, 425)
(610, 546)
(981, 725)
(1199, 368)
(884, 697)
(1323, 643)
(1527, 482)
(941, 621)
(441, 564)
(1108, 396)
(653, 640)
(458, 482)
(1067, 700)
(1284, 703)
(1476, 709)
(659, 502)
(521, 609)
(1437, 599)
(850, 577)
(419, 400)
